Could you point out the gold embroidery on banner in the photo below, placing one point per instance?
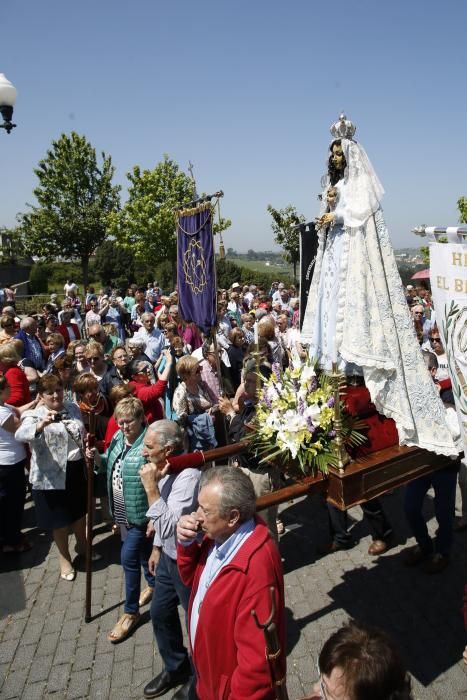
(194, 266)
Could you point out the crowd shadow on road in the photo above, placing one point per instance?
(421, 612)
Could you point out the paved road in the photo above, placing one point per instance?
(47, 651)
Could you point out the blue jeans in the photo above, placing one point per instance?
(136, 550)
(444, 485)
(169, 592)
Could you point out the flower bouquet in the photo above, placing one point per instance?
(295, 420)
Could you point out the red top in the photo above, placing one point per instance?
(149, 395)
(19, 387)
(229, 651)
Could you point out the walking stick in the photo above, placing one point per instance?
(273, 649)
(90, 519)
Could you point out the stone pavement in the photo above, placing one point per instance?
(48, 651)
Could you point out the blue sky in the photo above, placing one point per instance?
(246, 90)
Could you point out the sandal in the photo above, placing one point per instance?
(124, 626)
(146, 596)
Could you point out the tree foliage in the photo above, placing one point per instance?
(462, 207)
(227, 273)
(39, 279)
(75, 196)
(12, 248)
(221, 225)
(284, 235)
(146, 223)
(425, 253)
(112, 262)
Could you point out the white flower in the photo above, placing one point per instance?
(293, 421)
(313, 412)
(307, 373)
(288, 442)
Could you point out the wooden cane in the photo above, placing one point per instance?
(90, 519)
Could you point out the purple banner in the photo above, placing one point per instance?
(195, 268)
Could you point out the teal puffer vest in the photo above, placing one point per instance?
(136, 502)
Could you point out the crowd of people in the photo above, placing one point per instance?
(157, 388)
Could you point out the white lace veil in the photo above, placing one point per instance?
(363, 190)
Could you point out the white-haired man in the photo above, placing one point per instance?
(153, 337)
(232, 571)
(32, 348)
(169, 497)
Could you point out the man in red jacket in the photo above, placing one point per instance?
(231, 572)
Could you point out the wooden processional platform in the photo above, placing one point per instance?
(362, 479)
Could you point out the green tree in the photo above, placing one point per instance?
(227, 273)
(12, 244)
(112, 262)
(221, 225)
(284, 235)
(75, 196)
(462, 207)
(147, 223)
(425, 253)
(39, 278)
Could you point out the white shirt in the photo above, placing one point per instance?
(11, 451)
(219, 556)
(442, 371)
(155, 342)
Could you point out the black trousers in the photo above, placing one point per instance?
(373, 515)
(12, 498)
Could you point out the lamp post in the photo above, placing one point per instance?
(7, 102)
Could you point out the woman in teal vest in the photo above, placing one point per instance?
(128, 504)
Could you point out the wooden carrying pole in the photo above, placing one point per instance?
(273, 649)
(90, 519)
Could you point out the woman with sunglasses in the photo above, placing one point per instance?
(193, 405)
(92, 315)
(105, 373)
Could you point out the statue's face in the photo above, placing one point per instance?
(337, 156)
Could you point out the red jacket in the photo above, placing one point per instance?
(229, 654)
(149, 395)
(63, 330)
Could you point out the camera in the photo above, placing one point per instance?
(59, 416)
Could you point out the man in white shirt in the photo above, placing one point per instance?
(152, 336)
(70, 286)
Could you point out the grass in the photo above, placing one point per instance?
(260, 266)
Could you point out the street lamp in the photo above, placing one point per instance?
(7, 102)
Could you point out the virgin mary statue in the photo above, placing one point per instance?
(357, 314)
